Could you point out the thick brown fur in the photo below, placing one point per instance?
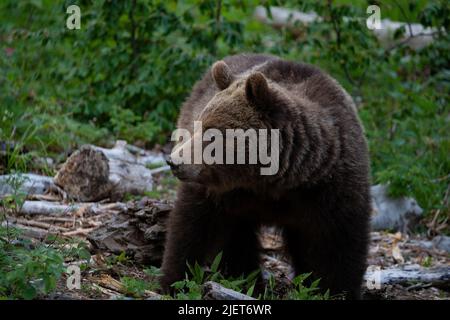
(319, 197)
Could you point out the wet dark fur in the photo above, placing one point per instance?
(319, 198)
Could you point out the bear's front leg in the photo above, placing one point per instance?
(190, 231)
(241, 248)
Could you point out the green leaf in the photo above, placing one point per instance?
(216, 262)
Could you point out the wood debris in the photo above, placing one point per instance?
(138, 231)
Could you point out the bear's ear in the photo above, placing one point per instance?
(257, 90)
(222, 75)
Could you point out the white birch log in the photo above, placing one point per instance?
(27, 183)
(50, 208)
(213, 291)
(28, 231)
(47, 208)
(399, 214)
(407, 275)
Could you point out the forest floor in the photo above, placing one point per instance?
(107, 276)
(102, 278)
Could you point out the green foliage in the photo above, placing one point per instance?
(190, 288)
(73, 248)
(153, 271)
(13, 202)
(269, 290)
(136, 287)
(28, 270)
(402, 94)
(427, 262)
(302, 292)
(122, 259)
(129, 67)
(26, 273)
(156, 165)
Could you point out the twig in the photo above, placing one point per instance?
(419, 286)
(432, 227)
(77, 232)
(55, 219)
(40, 225)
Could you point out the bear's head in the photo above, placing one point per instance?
(235, 127)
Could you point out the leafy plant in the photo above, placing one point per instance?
(302, 292)
(135, 287)
(29, 269)
(191, 287)
(27, 273)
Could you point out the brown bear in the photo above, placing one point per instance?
(319, 197)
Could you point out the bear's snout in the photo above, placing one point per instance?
(175, 168)
(184, 172)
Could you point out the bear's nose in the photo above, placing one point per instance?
(175, 168)
(170, 162)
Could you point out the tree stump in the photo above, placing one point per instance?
(93, 174)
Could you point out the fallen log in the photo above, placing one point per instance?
(213, 291)
(416, 36)
(145, 157)
(128, 153)
(283, 17)
(407, 275)
(27, 183)
(93, 173)
(51, 208)
(44, 197)
(439, 242)
(399, 214)
(110, 293)
(29, 232)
